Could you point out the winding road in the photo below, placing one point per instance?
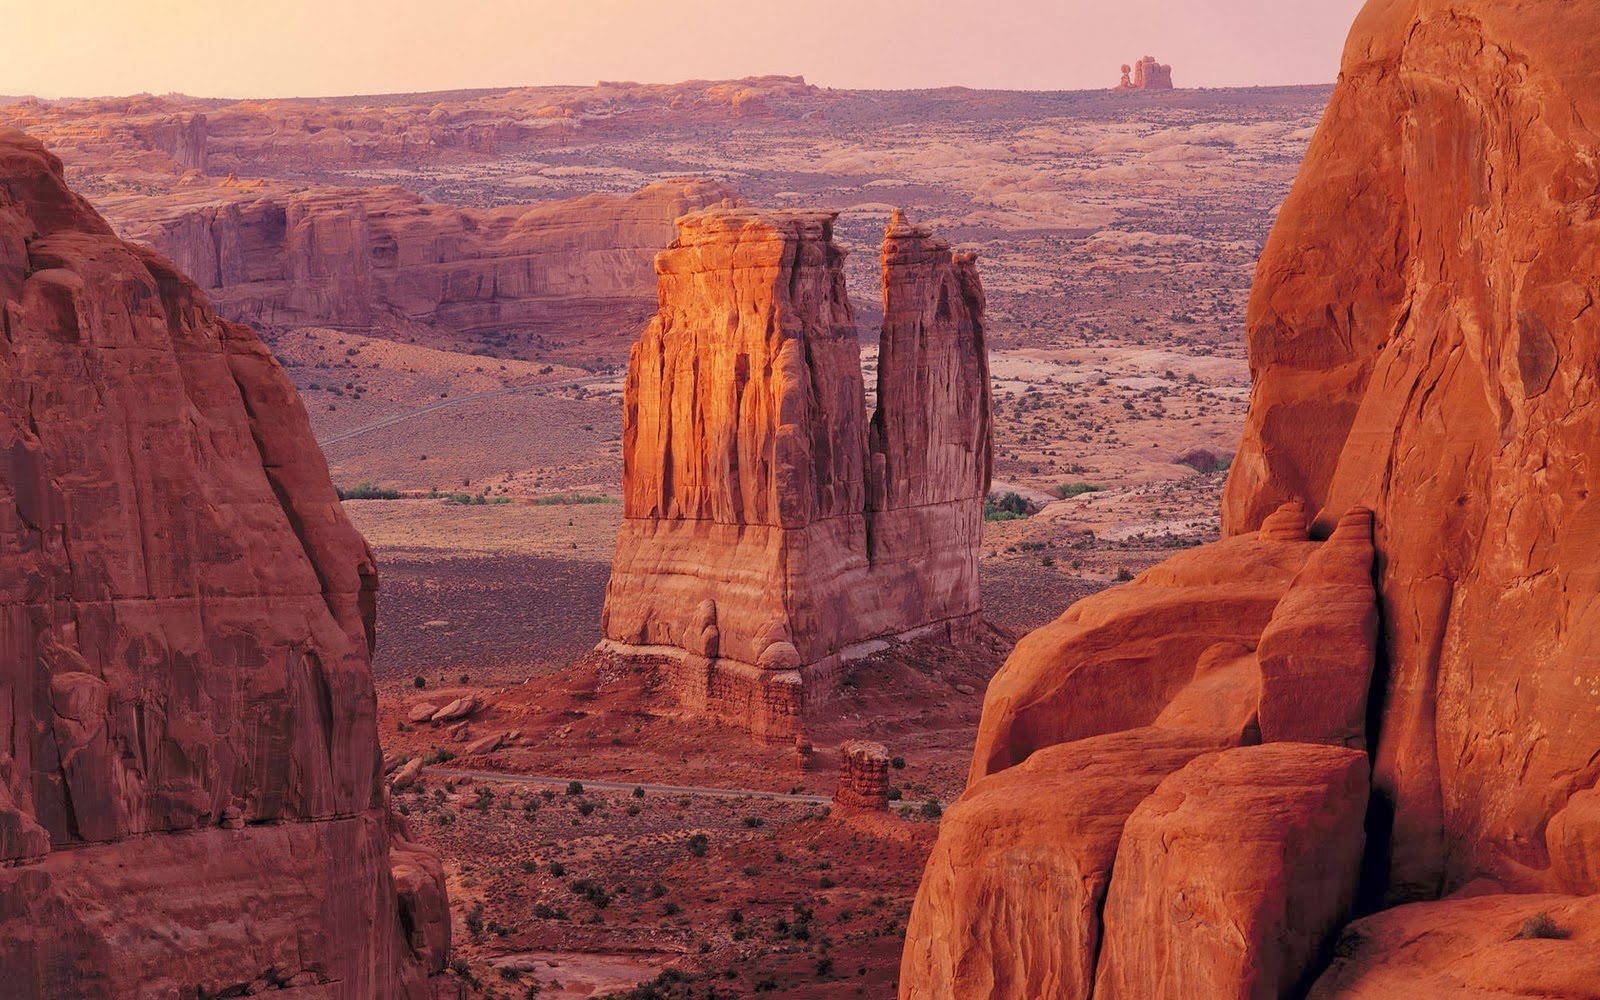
(626, 786)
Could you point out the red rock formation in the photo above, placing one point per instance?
(188, 713)
(768, 534)
(371, 259)
(1424, 346)
(1022, 864)
(863, 777)
(1234, 876)
(1115, 660)
(1147, 75)
(1422, 341)
(1477, 947)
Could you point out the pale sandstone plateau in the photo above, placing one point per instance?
(1279, 682)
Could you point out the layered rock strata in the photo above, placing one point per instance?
(771, 531)
(1423, 342)
(863, 777)
(190, 801)
(370, 259)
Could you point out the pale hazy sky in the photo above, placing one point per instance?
(275, 48)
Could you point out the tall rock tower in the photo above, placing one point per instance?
(771, 530)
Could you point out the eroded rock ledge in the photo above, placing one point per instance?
(771, 530)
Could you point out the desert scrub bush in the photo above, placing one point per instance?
(574, 788)
(1543, 926)
(365, 490)
(699, 845)
(1067, 490)
(1008, 506)
(440, 756)
(591, 892)
(573, 499)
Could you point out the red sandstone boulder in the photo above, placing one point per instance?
(1115, 660)
(863, 777)
(1009, 907)
(1233, 877)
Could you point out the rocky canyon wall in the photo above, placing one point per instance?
(575, 272)
(770, 528)
(1170, 794)
(190, 802)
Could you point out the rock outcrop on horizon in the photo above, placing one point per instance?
(1146, 74)
(575, 273)
(771, 531)
(1423, 343)
(190, 802)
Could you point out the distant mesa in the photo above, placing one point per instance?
(1146, 74)
(772, 532)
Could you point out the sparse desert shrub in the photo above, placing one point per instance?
(574, 788)
(1066, 490)
(898, 763)
(419, 682)
(1543, 926)
(439, 756)
(1124, 574)
(364, 490)
(638, 791)
(569, 499)
(1008, 506)
(699, 845)
(931, 809)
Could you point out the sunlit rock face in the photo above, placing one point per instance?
(1406, 586)
(772, 528)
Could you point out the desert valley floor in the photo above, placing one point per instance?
(1117, 236)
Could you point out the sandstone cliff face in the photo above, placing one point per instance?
(767, 527)
(579, 270)
(187, 721)
(1423, 341)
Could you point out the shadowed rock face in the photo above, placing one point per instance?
(1424, 347)
(769, 526)
(187, 720)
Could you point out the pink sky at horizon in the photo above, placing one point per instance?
(283, 48)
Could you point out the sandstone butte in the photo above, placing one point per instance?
(382, 259)
(1146, 74)
(190, 802)
(1387, 672)
(772, 531)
